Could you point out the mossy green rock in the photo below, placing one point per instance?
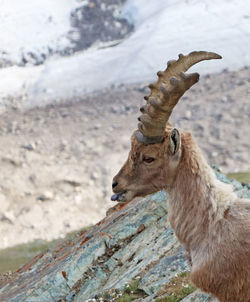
(135, 241)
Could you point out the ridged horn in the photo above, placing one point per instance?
(165, 94)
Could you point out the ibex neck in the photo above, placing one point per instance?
(197, 198)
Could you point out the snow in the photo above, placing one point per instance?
(163, 29)
(34, 26)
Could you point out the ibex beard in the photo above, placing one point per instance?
(209, 220)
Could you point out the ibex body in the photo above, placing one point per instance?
(207, 217)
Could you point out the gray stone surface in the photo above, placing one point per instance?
(197, 296)
(134, 241)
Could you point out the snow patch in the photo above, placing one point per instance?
(35, 27)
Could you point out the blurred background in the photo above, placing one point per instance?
(73, 74)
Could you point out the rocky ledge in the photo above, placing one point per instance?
(132, 254)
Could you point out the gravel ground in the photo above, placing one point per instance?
(57, 162)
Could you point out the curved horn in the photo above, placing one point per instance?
(165, 94)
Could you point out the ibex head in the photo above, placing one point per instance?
(156, 146)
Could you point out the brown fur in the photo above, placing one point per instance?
(208, 218)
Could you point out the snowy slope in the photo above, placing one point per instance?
(163, 29)
(36, 27)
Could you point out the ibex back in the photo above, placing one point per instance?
(207, 217)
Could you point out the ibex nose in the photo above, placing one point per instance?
(114, 184)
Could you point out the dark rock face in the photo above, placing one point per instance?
(99, 21)
(134, 242)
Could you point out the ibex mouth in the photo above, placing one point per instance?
(119, 196)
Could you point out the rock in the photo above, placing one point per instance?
(240, 83)
(143, 88)
(91, 4)
(214, 154)
(12, 161)
(199, 297)
(134, 243)
(7, 216)
(94, 175)
(29, 147)
(33, 178)
(188, 114)
(46, 196)
(4, 203)
(96, 127)
(224, 99)
(72, 182)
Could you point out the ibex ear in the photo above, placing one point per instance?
(174, 141)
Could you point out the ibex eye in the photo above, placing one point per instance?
(148, 159)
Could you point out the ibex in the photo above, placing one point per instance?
(211, 222)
